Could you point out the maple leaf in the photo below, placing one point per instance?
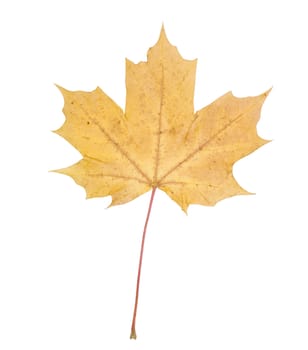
(159, 142)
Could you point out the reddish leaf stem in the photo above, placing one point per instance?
(133, 334)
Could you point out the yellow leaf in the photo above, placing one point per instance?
(159, 141)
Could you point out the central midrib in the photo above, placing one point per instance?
(157, 158)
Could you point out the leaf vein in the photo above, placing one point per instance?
(116, 144)
(200, 148)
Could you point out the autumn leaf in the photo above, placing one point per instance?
(159, 142)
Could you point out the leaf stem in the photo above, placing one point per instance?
(133, 334)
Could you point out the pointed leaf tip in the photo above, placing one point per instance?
(59, 87)
(163, 35)
(162, 30)
(267, 92)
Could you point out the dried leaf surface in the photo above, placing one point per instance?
(159, 141)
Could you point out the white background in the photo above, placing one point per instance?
(229, 277)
